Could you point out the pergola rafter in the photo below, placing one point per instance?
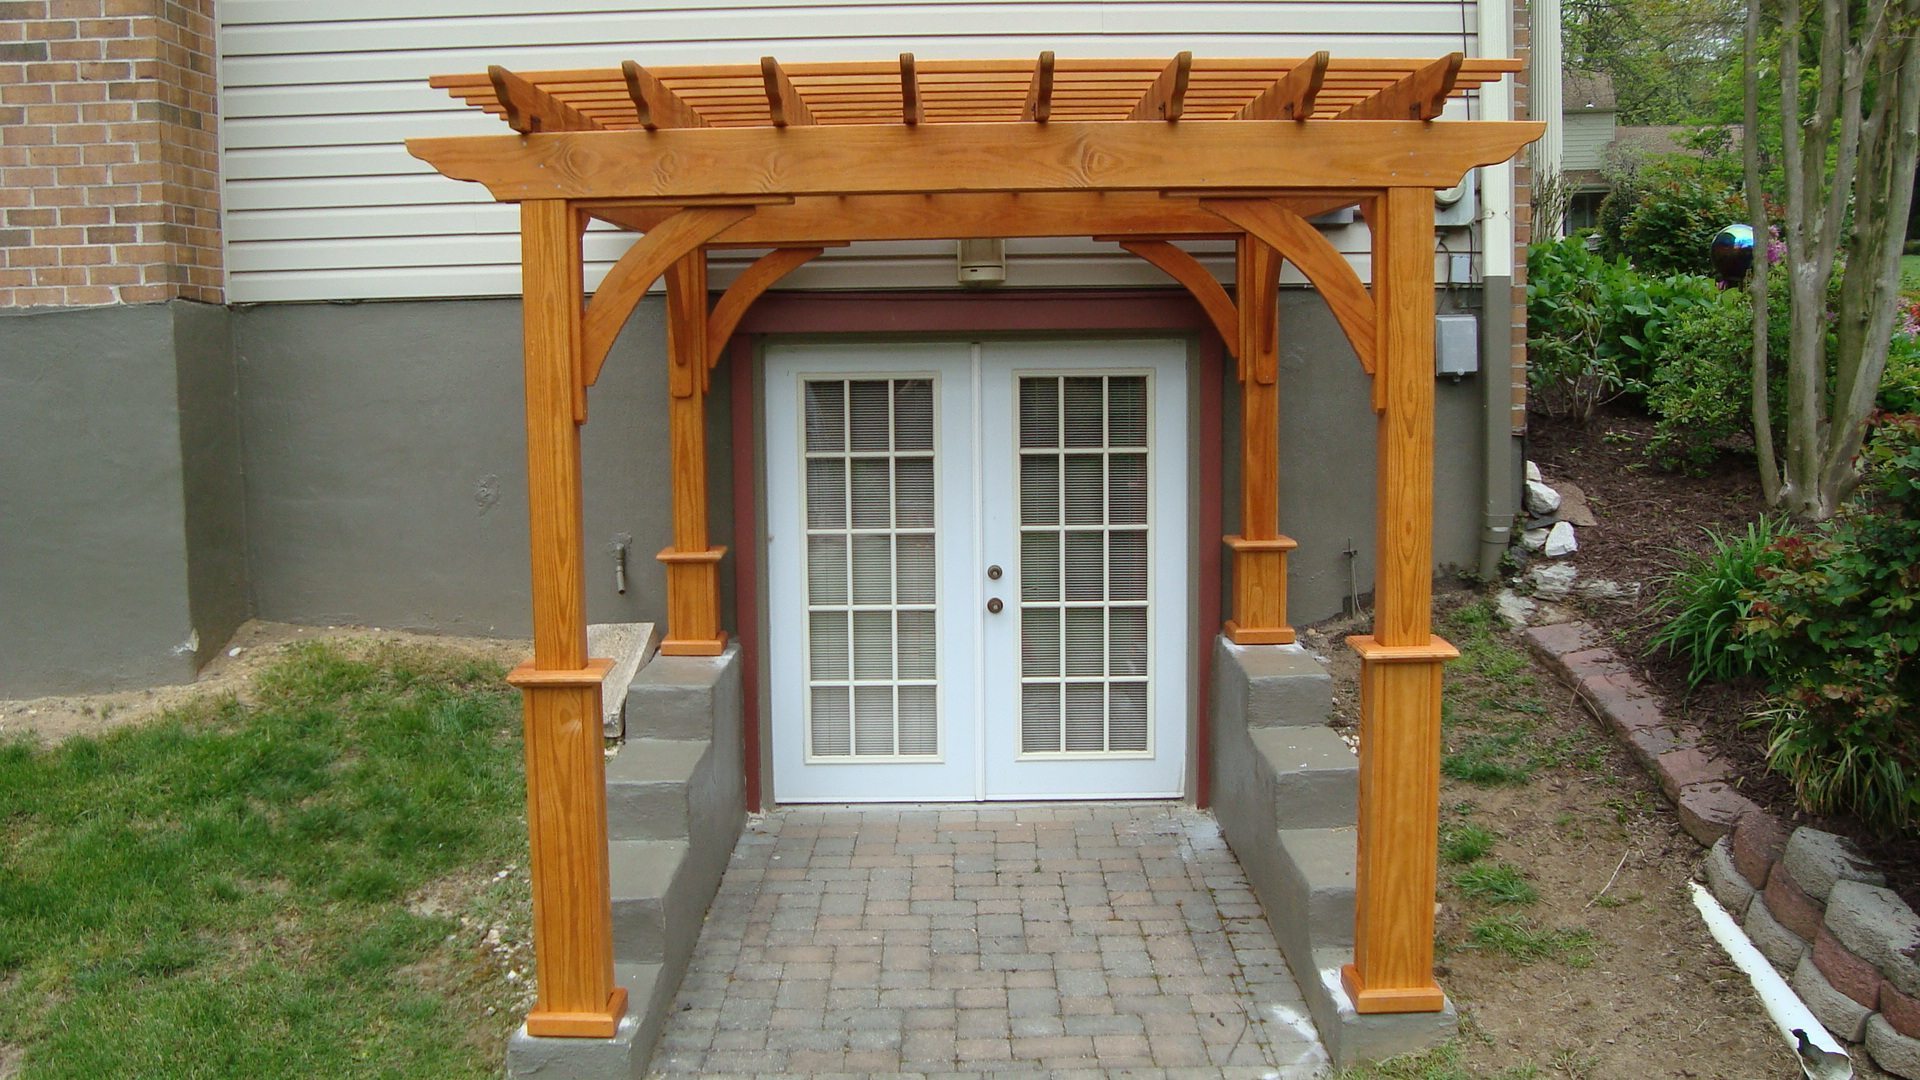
(1143, 152)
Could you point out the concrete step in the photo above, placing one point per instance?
(1317, 872)
(654, 906)
(648, 783)
(1274, 686)
(1316, 779)
(685, 697)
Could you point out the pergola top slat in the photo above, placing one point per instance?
(929, 92)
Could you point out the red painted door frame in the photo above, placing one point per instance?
(896, 314)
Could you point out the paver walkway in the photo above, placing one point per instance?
(1064, 939)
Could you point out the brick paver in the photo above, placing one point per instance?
(1065, 940)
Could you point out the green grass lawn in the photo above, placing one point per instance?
(1910, 274)
(296, 886)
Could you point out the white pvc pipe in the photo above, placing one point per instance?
(1783, 1006)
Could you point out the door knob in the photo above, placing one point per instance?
(994, 605)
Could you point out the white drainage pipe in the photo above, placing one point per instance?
(1783, 1006)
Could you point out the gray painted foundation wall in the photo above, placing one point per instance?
(121, 536)
(174, 469)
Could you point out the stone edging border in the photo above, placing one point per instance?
(1812, 904)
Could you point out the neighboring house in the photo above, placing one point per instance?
(257, 362)
(1587, 110)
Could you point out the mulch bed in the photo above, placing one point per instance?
(1648, 522)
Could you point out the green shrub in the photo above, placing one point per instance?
(1662, 213)
(1840, 610)
(1706, 601)
(1701, 391)
(1900, 386)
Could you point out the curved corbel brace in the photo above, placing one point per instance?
(1303, 245)
(1186, 270)
(638, 269)
(754, 280)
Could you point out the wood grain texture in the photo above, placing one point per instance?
(1403, 292)
(654, 105)
(1400, 661)
(636, 271)
(693, 569)
(1258, 301)
(910, 112)
(785, 106)
(693, 603)
(1186, 270)
(1260, 591)
(1420, 95)
(1399, 822)
(754, 280)
(567, 838)
(1309, 250)
(1039, 106)
(529, 109)
(550, 324)
(1166, 99)
(931, 158)
(1291, 97)
(829, 219)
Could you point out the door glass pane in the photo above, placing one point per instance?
(1084, 564)
(870, 554)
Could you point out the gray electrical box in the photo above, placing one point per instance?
(1456, 345)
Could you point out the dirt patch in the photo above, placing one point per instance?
(255, 645)
(1636, 987)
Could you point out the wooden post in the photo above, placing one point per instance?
(1260, 551)
(560, 686)
(1400, 662)
(693, 568)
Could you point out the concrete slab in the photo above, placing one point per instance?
(629, 646)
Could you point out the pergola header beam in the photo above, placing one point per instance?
(937, 158)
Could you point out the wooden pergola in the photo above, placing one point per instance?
(1144, 152)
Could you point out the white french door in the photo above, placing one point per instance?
(977, 570)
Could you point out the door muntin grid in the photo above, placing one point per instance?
(869, 507)
(1084, 444)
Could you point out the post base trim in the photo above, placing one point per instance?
(1395, 999)
(1258, 635)
(694, 646)
(1436, 649)
(580, 1025)
(593, 674)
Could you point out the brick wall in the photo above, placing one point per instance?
(1522, 214)
(108, 157)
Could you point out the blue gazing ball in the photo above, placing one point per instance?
(1732, 253)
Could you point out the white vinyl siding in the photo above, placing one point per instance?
(1584, 140)
(320, 200)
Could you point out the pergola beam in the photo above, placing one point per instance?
(1419, 96)
(1040, 92)
(1292, 97)
(940, 158)
(851, 218)
(530, 109)
(1166, 99)
(655, 104)
(784, 103)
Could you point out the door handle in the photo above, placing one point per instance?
(994, 605)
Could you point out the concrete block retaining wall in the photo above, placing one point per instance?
(1812, 904)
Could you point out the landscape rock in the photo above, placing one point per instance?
(1782, 947)
(1541, 499)
(1515, 610)
(1552, 582)
(1533, 472)
(1845, 972)
(1534, 539)
(1560, 541)
(1723, 878)
(1602, 589)
(1708, 812)
(1573, 506)
(1842, 1015)
(1758, 842)
(1893, 1052)
(1902, 1011)
(1877, 926)
(1795, 910)
(1819, 859)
